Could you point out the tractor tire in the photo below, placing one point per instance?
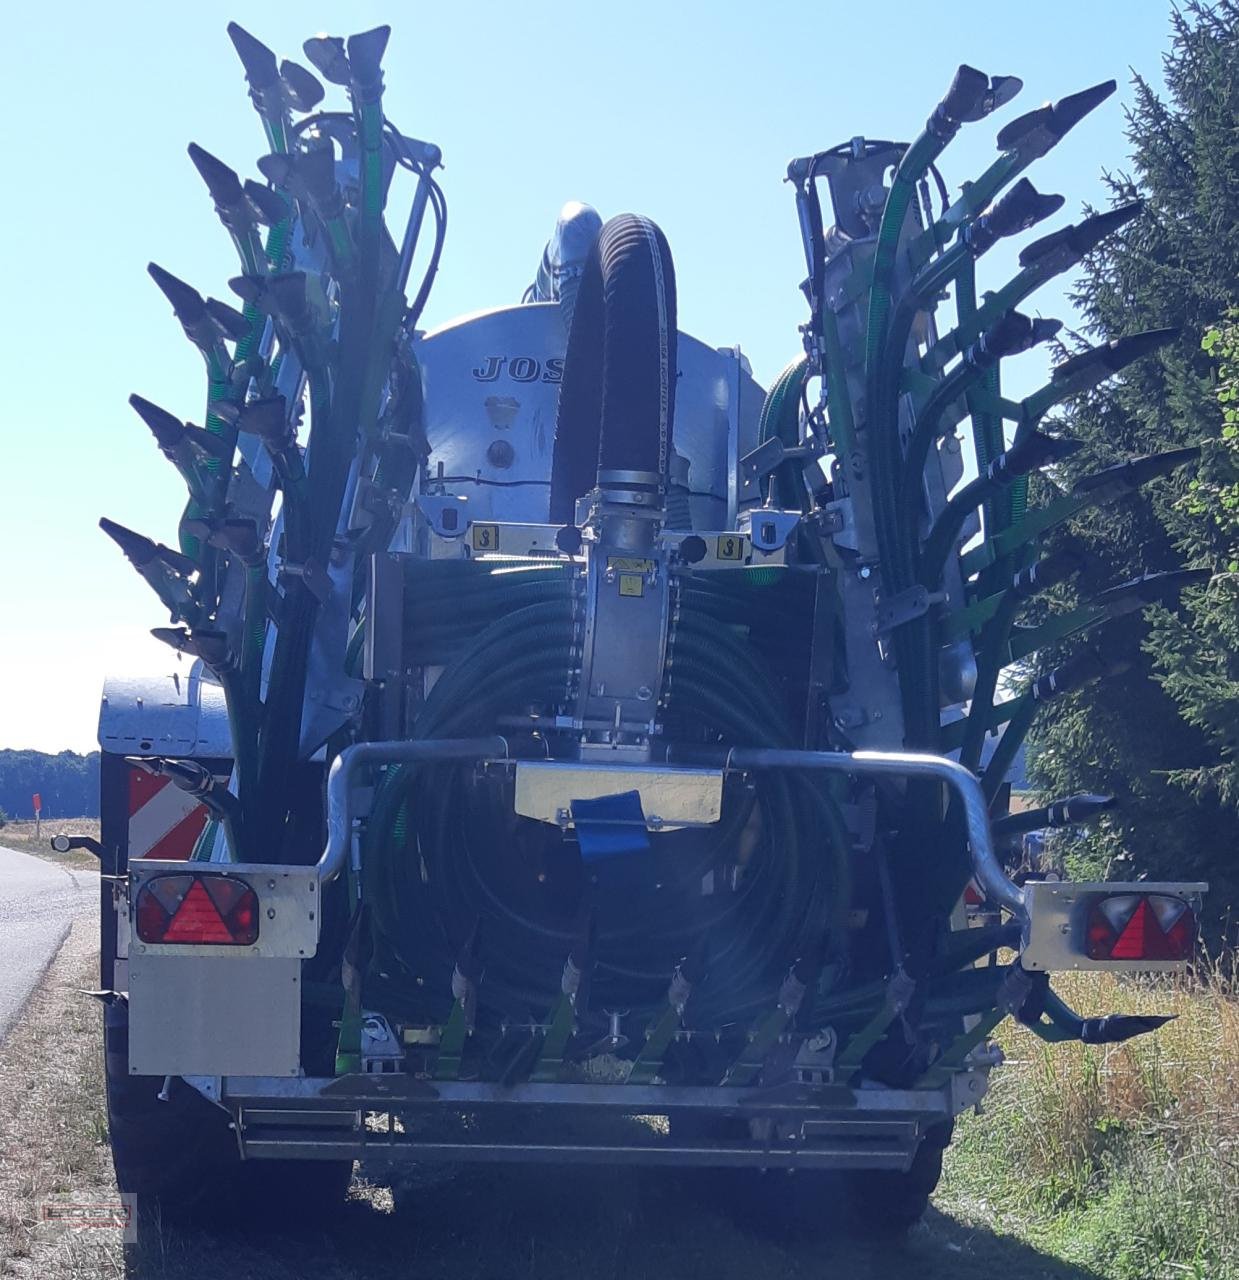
(179, 1156)
(869, 1203)
(885, 1202)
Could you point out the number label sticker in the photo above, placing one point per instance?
(730, 547)
(485, 537)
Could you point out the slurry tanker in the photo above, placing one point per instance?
(578, 753)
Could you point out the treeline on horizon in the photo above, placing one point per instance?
(67, 782)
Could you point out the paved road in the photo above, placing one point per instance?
(38, 902)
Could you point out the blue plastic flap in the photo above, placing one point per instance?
(610, 826)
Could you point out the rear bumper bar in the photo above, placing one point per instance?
(398, 1119)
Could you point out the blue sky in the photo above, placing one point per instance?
(685, 112)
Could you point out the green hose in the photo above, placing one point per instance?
(780, 417)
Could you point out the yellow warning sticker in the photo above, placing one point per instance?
(486, 537)
(632, 584)
(730, 546)
(629, 564)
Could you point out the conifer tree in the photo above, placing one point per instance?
(1160, 736)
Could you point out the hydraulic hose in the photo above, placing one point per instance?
(780, 417)
(614, 424)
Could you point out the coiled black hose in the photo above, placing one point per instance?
(445, 851)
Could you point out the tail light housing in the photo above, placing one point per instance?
(1140, 926)
(206, 908)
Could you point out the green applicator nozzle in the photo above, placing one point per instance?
(1111, 357)
(327, 55)
(242, 538)
(1071, 811)
(1035, 132)
(1137, 471)
(229, 322)
(188, 304)
(964, 100)
(224, 185)
(1071, 243)
(267, 91)
(1020, 208)
(301, 87)
(268, 420)
(1149, 588)
(167, 428)
(282, 296)
(143, 552)
(1047, 572)
(1034, 451)
(189, 307)
(259, 62)
(171, 433)
(365, 57)
(268, 206)
(1090, 664)
(308, 175)
(176, 637)
(207, 442)
(1008, 336)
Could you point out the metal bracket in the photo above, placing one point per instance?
(627, 594)
(768, 529)
(447, 514)
(772, 453)
(316, 579)
(905, 606)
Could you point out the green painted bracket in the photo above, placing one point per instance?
(550, 1060)
(647, 1063)
(1032, 526)
(748, 1065)
(452, 1044)
(953, 733)
(853, 1051)
(953, 1057)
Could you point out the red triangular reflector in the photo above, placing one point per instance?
(1142, 937)
(197, 919)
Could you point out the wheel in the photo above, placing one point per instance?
(886, 1202)
(179, 1156)
(866, 1202)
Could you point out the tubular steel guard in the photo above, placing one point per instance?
(346, 764)
(993, 881)
(996, 887)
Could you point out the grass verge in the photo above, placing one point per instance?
(53, 1130)
(1121, 1158)
(19, 834)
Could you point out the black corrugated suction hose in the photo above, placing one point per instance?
(617, 402)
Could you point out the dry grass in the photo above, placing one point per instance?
(19, 834)
(1127, 1154)
(53, 1133)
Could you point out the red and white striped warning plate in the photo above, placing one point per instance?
(164, 821)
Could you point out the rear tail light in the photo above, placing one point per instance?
(219, 910)
(1141, 926)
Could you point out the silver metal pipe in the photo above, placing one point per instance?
(413, 229)
(345, 766)
(995, 886)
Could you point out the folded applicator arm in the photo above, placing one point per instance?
(1048, 1016)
